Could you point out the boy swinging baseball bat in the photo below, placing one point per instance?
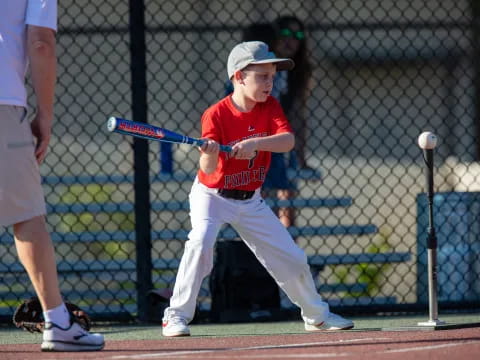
(227, 190)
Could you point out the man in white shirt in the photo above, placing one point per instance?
(27, 39)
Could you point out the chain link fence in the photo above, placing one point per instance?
(382, 73)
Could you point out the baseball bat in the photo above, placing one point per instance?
(151, 132)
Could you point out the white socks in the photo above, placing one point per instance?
(59, 316)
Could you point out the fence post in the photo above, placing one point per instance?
(476, 46)
(141, 172)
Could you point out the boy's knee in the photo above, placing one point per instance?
(202, 237)
(200, 253)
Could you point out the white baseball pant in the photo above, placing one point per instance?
(263, 233)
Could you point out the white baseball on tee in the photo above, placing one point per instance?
(427, 140)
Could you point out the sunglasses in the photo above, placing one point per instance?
(299, 35)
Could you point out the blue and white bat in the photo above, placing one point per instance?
(150, 132)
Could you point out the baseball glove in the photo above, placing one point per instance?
(29, 316)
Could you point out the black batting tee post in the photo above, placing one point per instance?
(427, 141)
(431, 245)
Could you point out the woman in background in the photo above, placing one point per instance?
(290, 41)
(291, 88)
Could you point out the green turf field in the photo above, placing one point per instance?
(12, 335)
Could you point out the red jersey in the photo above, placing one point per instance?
(224, 123)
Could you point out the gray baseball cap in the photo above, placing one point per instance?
(254, 52)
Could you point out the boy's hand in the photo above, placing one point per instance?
(210, 147)
(246, 149)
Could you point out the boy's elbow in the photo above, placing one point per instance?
(291, 142)
(208, 170)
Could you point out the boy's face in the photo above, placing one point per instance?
(256, 81)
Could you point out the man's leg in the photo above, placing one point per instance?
(35, 250)
(22, 204)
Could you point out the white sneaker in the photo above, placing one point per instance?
(333, 322)
(73, 338)
(175, 326)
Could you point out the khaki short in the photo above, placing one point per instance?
(21, 193)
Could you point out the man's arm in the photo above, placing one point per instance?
(43, 66)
